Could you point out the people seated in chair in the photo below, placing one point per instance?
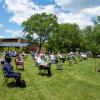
(47, 58)
(24, 55)
(19, 61)
(53, 58)
(14, 53)
(84, 55)
(34, 54)
(61, 57)
(43, 65)
(8, 70)
(1, 60)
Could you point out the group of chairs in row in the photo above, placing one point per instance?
(19, 62)
(58, 61)
(43, 62)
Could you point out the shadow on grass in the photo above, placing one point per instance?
(44, 74)
(13, 84)
(20, 69)
(98, 70)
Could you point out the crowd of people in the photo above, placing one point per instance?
(55, 58)
(44, 61)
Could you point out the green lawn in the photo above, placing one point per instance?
(77, 82)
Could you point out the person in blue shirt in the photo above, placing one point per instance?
(8, 70)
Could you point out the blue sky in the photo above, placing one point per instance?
(14, 12)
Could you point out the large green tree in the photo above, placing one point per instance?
(70, 35)
(86, 39)
(41, 24)
(91, 37)
(67, 38)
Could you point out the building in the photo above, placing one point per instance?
(13, 42)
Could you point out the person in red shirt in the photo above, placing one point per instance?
(19, 61)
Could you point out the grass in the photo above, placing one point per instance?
(77, 82)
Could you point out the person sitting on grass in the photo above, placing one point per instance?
(43, 65)
(8, 69)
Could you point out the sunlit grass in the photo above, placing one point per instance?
(77, 82)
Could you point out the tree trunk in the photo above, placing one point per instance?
(40, 46)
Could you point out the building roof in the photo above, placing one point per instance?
(12, 38)
(13, 44)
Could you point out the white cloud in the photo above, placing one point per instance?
(1, 36)
(23, 9)
(83, 17)
(82, 13)
(79, 18)
(1, 26)
(77, 4)
(48, 9)
(95, 11)
(15, 33)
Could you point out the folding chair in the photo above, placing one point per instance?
(5, 77)
(39, 67)
(43, 69)
(58, 64)
(18, 63)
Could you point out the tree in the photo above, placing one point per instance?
(66, 38)
(41, 24)
(69, 36)
(53, 43)
(86, 38)
(91, 37)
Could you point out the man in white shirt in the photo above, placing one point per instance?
(43, 65)
(53, 58)
(84, 55)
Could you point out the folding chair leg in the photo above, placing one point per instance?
(39, 71)
(5, 82)
(59, 66)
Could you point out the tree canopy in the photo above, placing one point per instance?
(92, 37)
(68, 37)
(41, 24)
(61, 37)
